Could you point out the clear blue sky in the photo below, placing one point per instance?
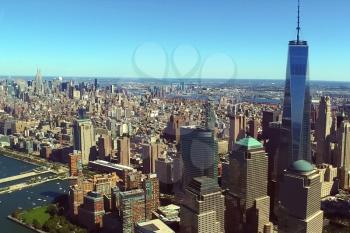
(100, 37)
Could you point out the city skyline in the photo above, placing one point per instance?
(101, 40)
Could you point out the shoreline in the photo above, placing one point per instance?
(15, 155)
(25, 225)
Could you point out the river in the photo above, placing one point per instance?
(25, 198)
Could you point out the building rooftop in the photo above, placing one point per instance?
(203, 185)
(155, 225)
(302, 166)
(250, 143)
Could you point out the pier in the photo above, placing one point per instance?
(22, 176)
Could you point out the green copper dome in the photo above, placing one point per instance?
(250, 143)
(302, 166)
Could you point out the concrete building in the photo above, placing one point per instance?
(92, 211)
(247, 202)
(329, 180)
(203, 209)
(323, 131)
(84, 138)
(150, 186)
(105, 147)
(151, 152)
(300, 199)
(342, 160)
(238, 126)
(75, 163)
(199, 150)
(132, 209)
(153, 226)
(123, 150)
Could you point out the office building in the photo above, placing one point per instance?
(150, 186)
(323, 131)
(38, 84)
(343, 154)
(199, 150)
(123, 150)
(329, 180)
(268, 117)
(247, 202)
(84, 138)
(105, 147)
(153, 226)
(92, 211)
(300, 199)
(203, 209)
(238, 127)
(297, 100)
(150, 153)
(132, 209)
(75, 164)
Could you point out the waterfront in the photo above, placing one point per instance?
(27, 197)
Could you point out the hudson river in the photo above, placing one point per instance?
(25, 198)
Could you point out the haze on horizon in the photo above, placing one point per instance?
(177, 39)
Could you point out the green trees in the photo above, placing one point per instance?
(52, 209)
(36, 224)
(16, 214)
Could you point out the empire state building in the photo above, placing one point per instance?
(297, 100)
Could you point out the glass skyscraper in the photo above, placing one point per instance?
(297, 101)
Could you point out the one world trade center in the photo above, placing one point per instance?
(297, 100)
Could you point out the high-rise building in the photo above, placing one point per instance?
(123, 150)
(75, 163)
(247, 202)
(151, 188)
(76, 199)
(151, 152)
(105, 147)
(92, 211)
(199, 150)
(238, 125)
(300, 198)
(203, 209)
(84, 138)
(132, 209)
(38, 83)
(297, 100)
(343, 154)
(323, 131)
(253, 125)
(268, 117)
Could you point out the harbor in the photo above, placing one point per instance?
(22, 193)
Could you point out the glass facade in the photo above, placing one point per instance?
(297, 102)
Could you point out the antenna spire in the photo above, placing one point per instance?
(298, 27)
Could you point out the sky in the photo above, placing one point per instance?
(171, 38)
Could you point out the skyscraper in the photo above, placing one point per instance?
(105, 147)
(343, 154)
(38, 83)
(199, 150)
(84, 138)
(151, 188)
(238, 125)
(300, 198)
(75, 164)
(247, 202)
(204, 207)
(323, 130)
(132, 209)
(123, 150)
(297, 100)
